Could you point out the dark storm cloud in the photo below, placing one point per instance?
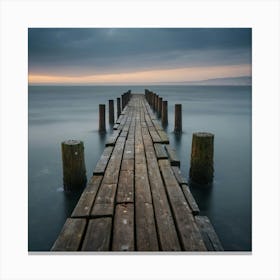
(72, 51)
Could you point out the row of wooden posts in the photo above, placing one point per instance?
(157, 103)
(121, 103)
(160, 106)
(202, 154)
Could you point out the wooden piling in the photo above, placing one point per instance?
(164, 113)
(156, 105)
(154, 101)
(118, 106)
(123, 105)
(159, 106)
(178, 118)
(74, 170)
(202, 170)
(102, 118)
(111, 112)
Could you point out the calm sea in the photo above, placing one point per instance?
(57, 113)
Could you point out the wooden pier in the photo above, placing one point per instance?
(137, 199)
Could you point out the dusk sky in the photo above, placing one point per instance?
(137, 56)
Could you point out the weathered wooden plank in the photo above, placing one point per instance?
(116, 125)
(189, 197)
(174, 160)
(160, 151)
(103, 161)
(166, 230)
(163, 136)
(120, 119)
(86, 200)
(128, 150)
(148, 120)
(123, 122)
(113, 138)
(98, 235)
(154, 135)
(124, 134)
(123, 232)
(125, 192)
(127, 164)
(139, 147)
(157, 124)
(188, 231)
(209, 235)
(70, 236)
(104, 202)
(178, 174)
(111, 174)
(146, 236)
(131, 132)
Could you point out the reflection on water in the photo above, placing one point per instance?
(60, 113)
(70, 201)
(204, 192)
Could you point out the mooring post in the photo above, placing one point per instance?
(159, 106)
(154, 101)
(118, 106)
(156, 104)
(74, 170)
(102, 118)
(164, 113)
(111, 112)
(202, 167)
(123, 105)
(178, 118)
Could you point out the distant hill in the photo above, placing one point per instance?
(231, 81)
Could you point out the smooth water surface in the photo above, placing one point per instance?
(58, 113)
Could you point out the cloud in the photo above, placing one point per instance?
(92, 51)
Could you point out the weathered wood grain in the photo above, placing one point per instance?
(86, 200)
(156, 138)
(113, 138)
(70, 236)
(190, 199)
(125, 191)
(98, 235)
(129, 150)
(74, 170)
(166, 230)
(178, 174)
(210, 237)
(156, 124)
(119, 120)
(163, 136)
(160, 151)
(146, 235)
(105, 200)
(103, 161)
(174, 160)
(127, 164)
(123, 232)
(111, 174)
(188, 231)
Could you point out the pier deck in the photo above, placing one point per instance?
(137, 199)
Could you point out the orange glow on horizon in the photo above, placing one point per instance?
(150, 76)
